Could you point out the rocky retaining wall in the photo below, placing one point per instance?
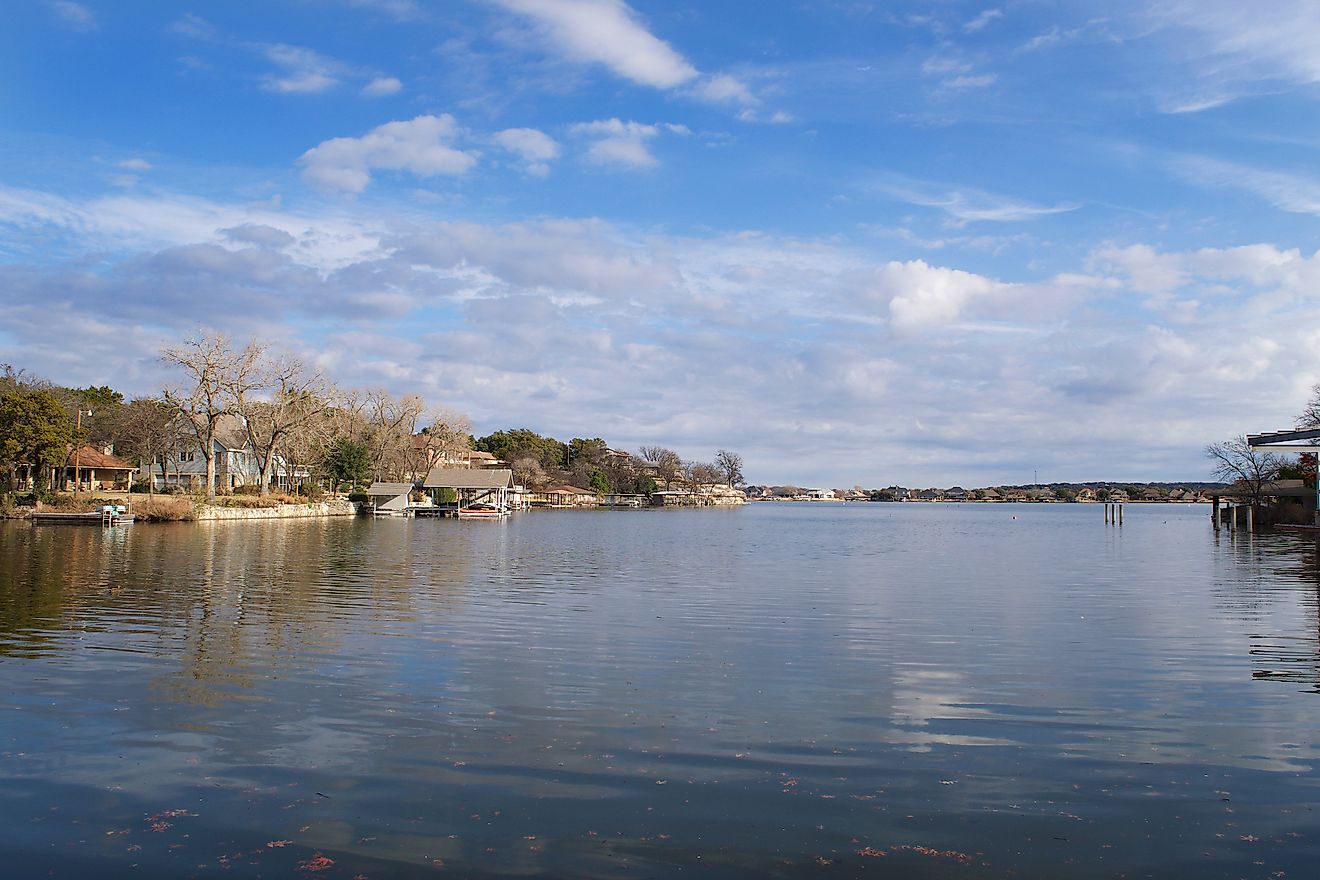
(284, 511)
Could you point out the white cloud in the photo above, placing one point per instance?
(421, 146)
(1277, 41)
(986, 16)
(74, 15)
(382, 86)
(859, 353)
(1297, 193)
(922, 296)
(135, 164)
(956, 74)
(536, 148)
(304, 71)
(965, 204)
(193, 25)
(723, 88)
(1233, 49)
(606, 32)
(962, 83)
(614, 142)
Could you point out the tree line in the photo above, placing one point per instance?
(292, 418)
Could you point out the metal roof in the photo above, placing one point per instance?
(468, 478)
(378, 489)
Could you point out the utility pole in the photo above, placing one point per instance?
(77, 454)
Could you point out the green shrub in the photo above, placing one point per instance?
(359, 497)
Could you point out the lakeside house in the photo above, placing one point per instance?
(431, 451)
(90, 469)
(236, 464)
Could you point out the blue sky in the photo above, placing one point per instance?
(929, 243)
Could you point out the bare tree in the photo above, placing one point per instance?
(1237, 462)
(527, 471)
(447, 436)
(297, 398)
(700, 473)
(1309, 418)
(216, 373)
(390, 424)
(667, 462)
(147, 431)
(730, 465)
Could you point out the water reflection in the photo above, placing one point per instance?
(770, 691)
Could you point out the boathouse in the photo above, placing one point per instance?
(469, 486)
(389, 499)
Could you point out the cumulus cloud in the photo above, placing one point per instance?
(923, 296)
(622, 144)
(606, 32)
(534, 147)
(724, 88)
(382, 86)
(422, 146)
(871, 358)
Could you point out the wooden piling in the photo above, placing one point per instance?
(1250, 518)
(1120, 513)
(1214, 512)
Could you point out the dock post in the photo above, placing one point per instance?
(1106, 513)
(1232, 513)
(1214, 512)
(1251, 509)
(1120, 513)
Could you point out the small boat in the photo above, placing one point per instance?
(482, 510)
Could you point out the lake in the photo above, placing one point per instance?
(779, 690)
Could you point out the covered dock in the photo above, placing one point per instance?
(1302, 440)
(457, 489)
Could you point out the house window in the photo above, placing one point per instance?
(188, 455)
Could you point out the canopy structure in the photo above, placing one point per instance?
(1307, 440)
(1286, 441)
(472, 485)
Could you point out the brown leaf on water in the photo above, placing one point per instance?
(170, 814)
(317, 862)
(929, 852)
(276, 844)
(871, 852)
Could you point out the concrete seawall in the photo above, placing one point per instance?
(284, 511)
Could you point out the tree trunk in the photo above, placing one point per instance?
(209, 455)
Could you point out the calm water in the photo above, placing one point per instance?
(781, 690)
